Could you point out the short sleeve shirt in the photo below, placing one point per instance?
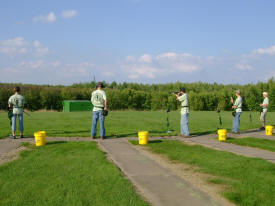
(184, 103)
(266, 101)
(238, 103)
(17, 101)
(97, 99)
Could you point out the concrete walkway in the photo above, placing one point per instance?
(211, 142)
(158, 184)
(252, 133)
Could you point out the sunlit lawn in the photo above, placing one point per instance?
(65, 173)
(127, 123)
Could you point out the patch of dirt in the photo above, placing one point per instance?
(190, 174)
(12, 155)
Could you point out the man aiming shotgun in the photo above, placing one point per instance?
(237, 106)
(16, 105)
(264, 107)
(183, 98)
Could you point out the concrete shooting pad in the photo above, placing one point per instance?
(157, 184)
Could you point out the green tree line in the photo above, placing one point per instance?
(124, 96)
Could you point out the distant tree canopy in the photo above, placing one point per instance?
(123, 96)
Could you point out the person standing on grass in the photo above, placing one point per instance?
(264, 107)
(237, 106)
(183, 98)
(99, 100)
(16, 103)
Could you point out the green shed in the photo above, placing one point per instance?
(77, 105)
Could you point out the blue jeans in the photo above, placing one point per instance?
(184, 124)
(98, 115)
(236, 122)
(20, 119)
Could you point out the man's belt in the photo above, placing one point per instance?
(99, 107)
(17, 107)
(184, 106)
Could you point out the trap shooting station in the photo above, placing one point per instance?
(77, 105)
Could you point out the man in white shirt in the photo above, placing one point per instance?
(237, 105)
(183, 98)
(264, 107)
(99, 100)
(16, 103)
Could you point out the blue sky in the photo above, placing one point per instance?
(148, 41)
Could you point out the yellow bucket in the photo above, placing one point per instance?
(40, 138)
(269, 130)
(143, 137)
(222, 134)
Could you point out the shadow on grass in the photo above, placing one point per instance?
(56, 142)
(58, 132)
(203, 133)
(251, 131)
(135, 134)
(136, 142)
(155, 141)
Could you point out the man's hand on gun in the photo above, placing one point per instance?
(177, 94)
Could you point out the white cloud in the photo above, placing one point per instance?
(17, 45)
(32, 64)
(108, 73)
(69, 14)
(268, 51)
(146, 58)
(40, 50)
(187, 68)
(168, 55)
(56, 63)
(141, 71)
(15, 42)
(86, 64)
(161, 65)
(172, 55)
(243, 67)
(50, 18)
(130, 59)
(37, 44)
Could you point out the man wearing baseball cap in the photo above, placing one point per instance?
(264, 107)
(99, 100)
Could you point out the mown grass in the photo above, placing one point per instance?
(126, 123)
(65, 173)
(249, 181)
(265, 144)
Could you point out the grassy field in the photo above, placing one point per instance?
(65, 173)
(249, 181)
(265, 144)
(127, 123)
